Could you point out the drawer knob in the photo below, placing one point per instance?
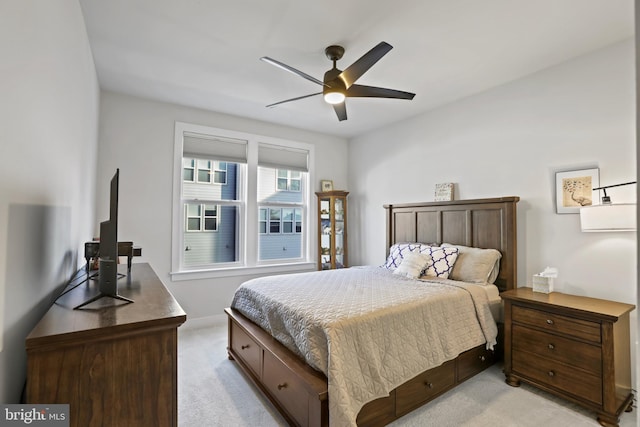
(244, 347)
(281, 386)
(551, 374)
(551, 346)
(482, 358)
(428, 384)
(549, 322)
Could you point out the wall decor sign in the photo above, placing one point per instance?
(574, 189)
(444, 192)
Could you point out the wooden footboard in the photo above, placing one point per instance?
(300, 392)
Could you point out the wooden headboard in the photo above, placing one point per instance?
(481, 223)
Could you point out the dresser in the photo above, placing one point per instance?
(114, 363)
(574, 347)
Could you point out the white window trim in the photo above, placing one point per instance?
(248, 262)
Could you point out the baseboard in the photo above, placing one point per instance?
(204, 322)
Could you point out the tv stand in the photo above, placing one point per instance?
(115, 365)
(101, 295)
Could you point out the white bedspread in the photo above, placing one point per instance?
(367, 329)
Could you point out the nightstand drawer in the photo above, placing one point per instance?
(582, 329)
(562, 377)
(579, 354)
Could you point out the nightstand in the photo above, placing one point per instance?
(574, 347)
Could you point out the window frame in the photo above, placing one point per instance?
(248, 214)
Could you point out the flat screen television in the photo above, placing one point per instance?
(108, 252)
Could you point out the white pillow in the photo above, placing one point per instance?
(413, 264)
(475, 265)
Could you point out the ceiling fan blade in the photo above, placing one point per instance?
(366, 61)
(341, 111)
(360, 91)
(294, 99)
(292, 70)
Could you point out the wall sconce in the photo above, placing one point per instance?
(608, 216)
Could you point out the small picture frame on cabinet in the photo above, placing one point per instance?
(326, 185)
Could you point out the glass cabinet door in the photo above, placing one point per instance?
(325, 233)
(339, 232)
(332, 228)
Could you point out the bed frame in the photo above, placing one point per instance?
(300, 392)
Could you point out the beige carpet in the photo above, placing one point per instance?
(212, 391)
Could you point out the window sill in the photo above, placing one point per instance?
(178, 276)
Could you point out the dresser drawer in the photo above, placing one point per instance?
(246, 348)
(578, 328)
(552, 373)
(574, 353)
(426, 385)
(286, 388)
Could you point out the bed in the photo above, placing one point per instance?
(409, 372)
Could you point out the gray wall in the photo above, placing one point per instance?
(48, 137)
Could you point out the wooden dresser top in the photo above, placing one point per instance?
(154, 308)
(610, 310)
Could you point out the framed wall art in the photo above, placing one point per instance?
(574, 189)
(326, 185)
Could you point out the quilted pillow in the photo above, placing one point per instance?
(442, 261)
(475, 265)
(413, 264)
(398, 251)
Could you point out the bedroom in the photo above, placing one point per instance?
(60, 117)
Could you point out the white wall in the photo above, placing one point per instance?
(137, 136)
(510, 141)
(48, 139)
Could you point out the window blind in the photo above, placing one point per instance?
(225, 149)
(278, 157)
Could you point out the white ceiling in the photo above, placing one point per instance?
(205, 53)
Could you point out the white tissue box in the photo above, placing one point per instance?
(542, 284)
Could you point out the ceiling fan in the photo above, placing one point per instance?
(338, 84)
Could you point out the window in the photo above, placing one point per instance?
(288, 180)
(188, 166)
(201, 217)
(241, 201)
(274, 221)
(193, 217)
(204, 170)
(220, 173)
(210, 217)
(208, 171)
(281, 220)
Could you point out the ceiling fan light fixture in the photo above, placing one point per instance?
(335, 97)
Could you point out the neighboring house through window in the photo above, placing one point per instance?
(242, 199)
